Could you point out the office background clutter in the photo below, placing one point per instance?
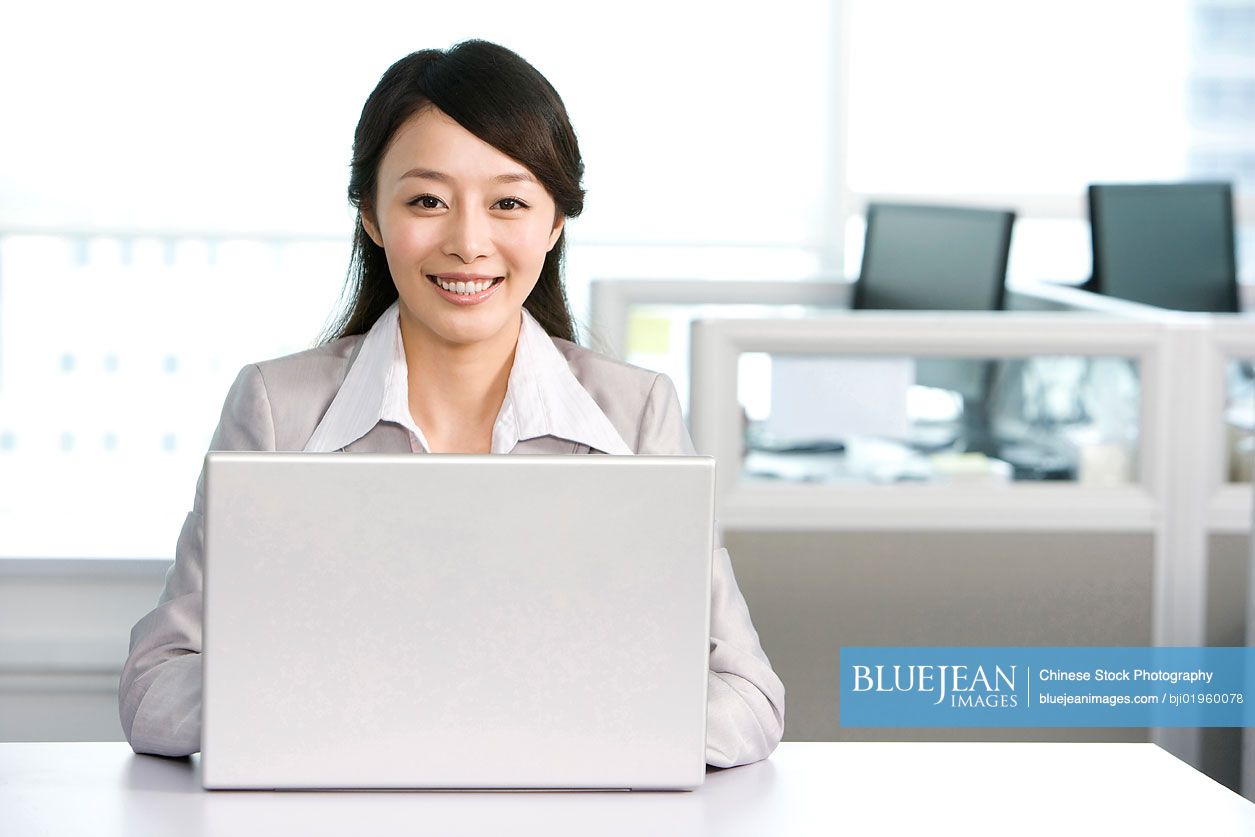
(172, 206)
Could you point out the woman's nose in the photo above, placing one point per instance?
(467, 235)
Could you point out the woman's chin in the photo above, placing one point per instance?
(470, 327)
(456, 324)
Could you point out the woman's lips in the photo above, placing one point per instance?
(466, 299)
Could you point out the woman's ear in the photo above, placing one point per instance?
(557, 231)
(368, 224)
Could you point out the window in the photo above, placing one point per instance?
(1004, 104)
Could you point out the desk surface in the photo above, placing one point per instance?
(804, 788)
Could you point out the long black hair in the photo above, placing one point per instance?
(500, 98)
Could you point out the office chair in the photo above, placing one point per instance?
(934, 258)
(940, 258)
(1170, 245)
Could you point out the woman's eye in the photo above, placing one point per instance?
(511, 203)
(426, 202)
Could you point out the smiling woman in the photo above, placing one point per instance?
(466, 226)
(465, 236)
(440, 130)
(456, 338)
(465, 167)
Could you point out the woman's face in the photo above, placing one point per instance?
(451, 209)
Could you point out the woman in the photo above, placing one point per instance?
(458, 338)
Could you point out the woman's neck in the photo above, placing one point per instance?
(456, 390)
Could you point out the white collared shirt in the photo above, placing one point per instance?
(543, 397)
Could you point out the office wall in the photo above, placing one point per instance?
(812, 592)
(64, 633)
(1228, 574)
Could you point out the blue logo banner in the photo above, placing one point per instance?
(1047, 687)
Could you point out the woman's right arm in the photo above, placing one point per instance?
(159, 697)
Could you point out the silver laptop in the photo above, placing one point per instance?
(456, 621)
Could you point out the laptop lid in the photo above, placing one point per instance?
(456, 621)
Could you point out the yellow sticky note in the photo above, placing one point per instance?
(648, 335)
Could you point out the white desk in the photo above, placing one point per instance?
(804, 788)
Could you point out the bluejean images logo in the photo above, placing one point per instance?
(1047, 687)
(963, 686)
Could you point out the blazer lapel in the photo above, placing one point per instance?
(387, 437)
(548, 444)
(384, 437)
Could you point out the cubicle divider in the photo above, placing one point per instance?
(1177, 498)
(611, 300)
(1229, 509)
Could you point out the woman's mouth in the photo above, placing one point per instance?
(465, 293)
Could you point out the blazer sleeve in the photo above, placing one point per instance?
(159, 696)
(745, 698)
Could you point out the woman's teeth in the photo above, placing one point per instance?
(464, 287)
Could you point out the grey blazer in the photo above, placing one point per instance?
(276, 405)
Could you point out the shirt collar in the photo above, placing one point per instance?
(543, 397)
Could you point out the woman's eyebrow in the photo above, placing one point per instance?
(431, 174)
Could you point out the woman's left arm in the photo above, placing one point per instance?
(745, 698)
